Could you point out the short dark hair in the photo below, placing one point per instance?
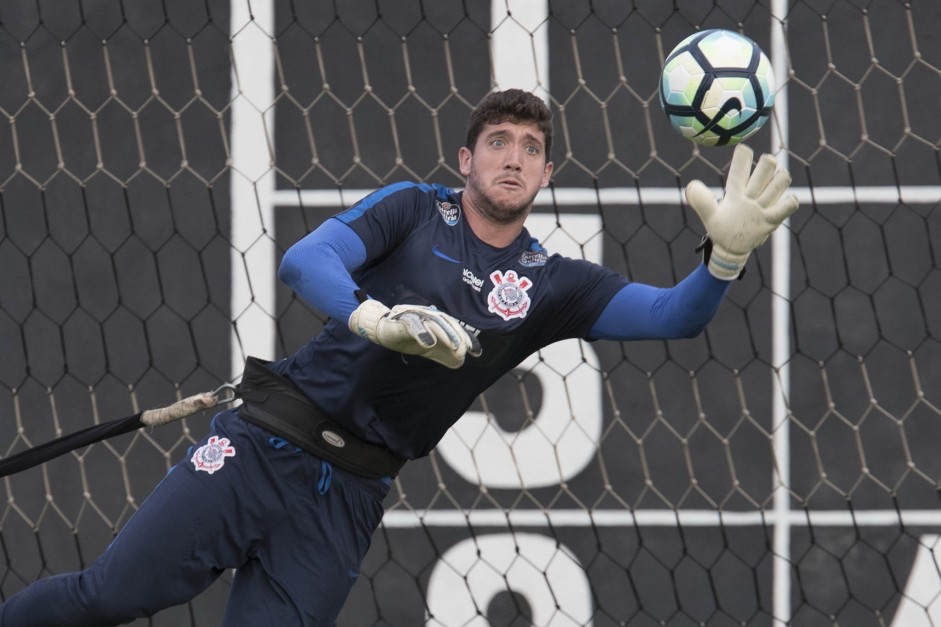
(511, 105)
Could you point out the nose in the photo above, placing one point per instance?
(514, 160)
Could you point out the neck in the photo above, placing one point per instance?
(496, 234)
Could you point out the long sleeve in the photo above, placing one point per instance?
(318, 268)
(640, 311)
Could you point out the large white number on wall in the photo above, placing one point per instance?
(563, 437)
(476, 570)
(921, 603)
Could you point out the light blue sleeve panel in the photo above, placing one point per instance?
(318, 268)
(644, 312)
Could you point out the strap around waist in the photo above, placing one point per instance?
(275, 404)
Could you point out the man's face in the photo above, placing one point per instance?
(506, 170)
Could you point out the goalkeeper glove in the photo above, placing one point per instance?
(415, 330)
(753, 206)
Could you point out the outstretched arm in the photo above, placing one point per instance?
(644, 312)
(755, 204)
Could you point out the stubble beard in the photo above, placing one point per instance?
(499, 212)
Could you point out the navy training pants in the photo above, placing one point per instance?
(295, 528)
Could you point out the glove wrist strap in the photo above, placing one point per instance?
(719, 268)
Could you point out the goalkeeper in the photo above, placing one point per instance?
(433, 294)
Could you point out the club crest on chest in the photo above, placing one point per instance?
(508, 298)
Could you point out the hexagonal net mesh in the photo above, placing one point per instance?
(781, 468)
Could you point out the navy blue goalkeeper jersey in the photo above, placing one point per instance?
(420, 250)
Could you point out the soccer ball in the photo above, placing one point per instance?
(717, 87)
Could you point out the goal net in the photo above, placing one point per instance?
(781, 468)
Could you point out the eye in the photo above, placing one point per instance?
(532, 150)
(497, 143)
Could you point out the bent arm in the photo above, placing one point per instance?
(318, 268)
(644, 312)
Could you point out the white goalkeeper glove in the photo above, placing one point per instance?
(753, 206)
(415, 330)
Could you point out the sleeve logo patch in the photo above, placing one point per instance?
(508, 298)
(450, 212)
(210, 457)
(533, 258)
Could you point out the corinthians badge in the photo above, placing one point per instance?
(508, 298)
(210, 457)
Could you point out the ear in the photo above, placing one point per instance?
(464, 158)
(546, 175)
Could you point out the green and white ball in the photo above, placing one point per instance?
(717, 87)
